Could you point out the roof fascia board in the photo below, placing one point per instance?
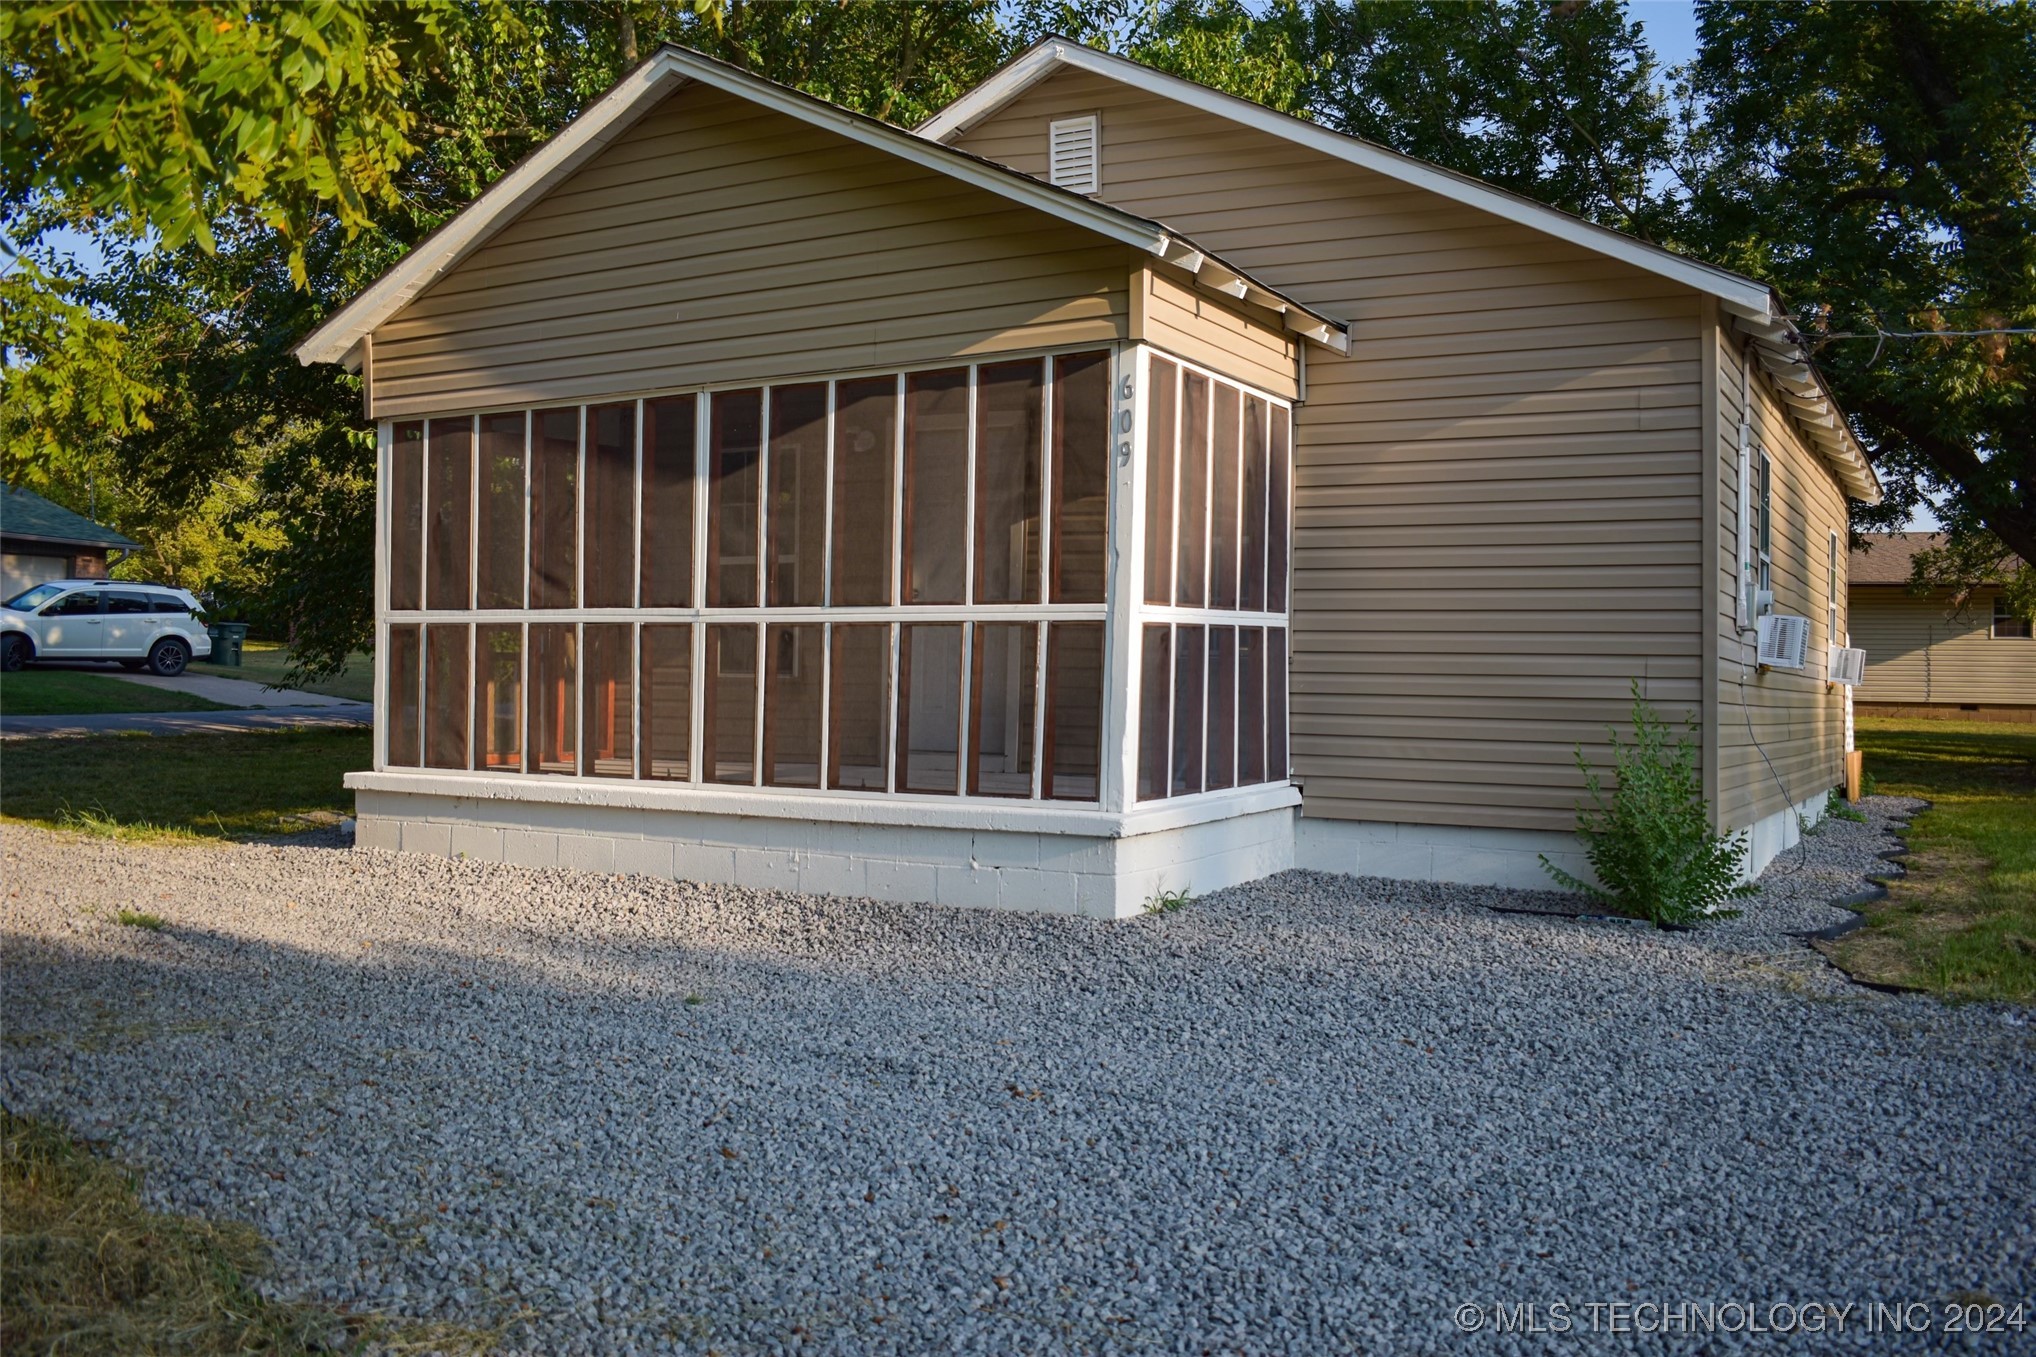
(586, 135)
(1042, 60)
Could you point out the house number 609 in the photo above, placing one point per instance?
(1126, 389)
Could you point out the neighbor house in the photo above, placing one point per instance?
(42, 541)
(1936, 653)
(1110, 486)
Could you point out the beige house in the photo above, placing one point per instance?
(1110, 486)
(1928, 654)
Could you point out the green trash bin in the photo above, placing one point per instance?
(227, 640)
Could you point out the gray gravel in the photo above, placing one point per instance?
(1311, 1115)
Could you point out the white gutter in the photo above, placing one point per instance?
(338, 339)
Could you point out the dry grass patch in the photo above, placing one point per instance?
(84, 1268)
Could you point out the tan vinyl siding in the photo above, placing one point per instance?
(1796, 719)
(715, 242)
(1924, 651)
(1499, 508)
(1184, 322)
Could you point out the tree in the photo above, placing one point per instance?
(1554, 101)
(1875, 162)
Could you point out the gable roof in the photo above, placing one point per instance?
(1751, 306)
(337, 340)
(23, 513)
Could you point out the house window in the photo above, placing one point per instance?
(1833, 637)
(2007, 626)
(874, 584)
(1763, 491)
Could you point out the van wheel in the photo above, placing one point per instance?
(169, 658)
(13, 652)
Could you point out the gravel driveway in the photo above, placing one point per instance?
(1310, 1115)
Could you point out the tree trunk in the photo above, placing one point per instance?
(626, 35)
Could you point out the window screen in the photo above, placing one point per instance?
(554, 704)
(1155, 710)
(1003, 701)
(1225, 489)
(733, 448)
(668, 472)
(1190, 673)
(406, 515)
(791, 729)
(554, 509)
(1191, 560)
(498, 697)
(610, 533)
(1008, 482)
(667, 696)
(1250, 706)
(448, 546)
(445, 696)
(607, 700)
(406, 678)
(865, 473)
(935, 529)
(796, 512)
(929, 707)
(1220, 756)
(728, 754)
(1081, 476)
(1161, 396)
(859, 708)
(499, 553)
(1073, 764)
(1253, 510)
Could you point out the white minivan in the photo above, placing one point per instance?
(137, 625)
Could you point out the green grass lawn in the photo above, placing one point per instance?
(1962, 923)
(266, 661)
(64, 692)
(235, 786)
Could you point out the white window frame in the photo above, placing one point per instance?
(1137, 613)
(2001, 614)
(1111, 793)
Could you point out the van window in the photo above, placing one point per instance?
(128, 603)
(84, 604)
(29, 600)
(165, 604)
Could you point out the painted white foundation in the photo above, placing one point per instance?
(1038, 859)
(1770, 838)
(1453, 853)
(1032, 859)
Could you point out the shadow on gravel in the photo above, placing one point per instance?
(648, 1114)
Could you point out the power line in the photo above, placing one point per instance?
(1818, 336)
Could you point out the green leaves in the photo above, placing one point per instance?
(157, 118)
(1650, 841)
(1875, 163)
(64, 384)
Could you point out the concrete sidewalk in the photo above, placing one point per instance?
(234, 692)
(333, 713)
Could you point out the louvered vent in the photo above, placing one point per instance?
(1073, 154)
(1848, 666)
(1784, 639)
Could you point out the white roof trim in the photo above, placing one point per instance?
(1750, 306)
(612, 114)
(1053, 53)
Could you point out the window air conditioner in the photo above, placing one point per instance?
(1784, 639)
(1848, 666)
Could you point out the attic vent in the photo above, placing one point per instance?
(1784, 639)
(1073, 156)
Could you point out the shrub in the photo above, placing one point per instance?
(1650, 840)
